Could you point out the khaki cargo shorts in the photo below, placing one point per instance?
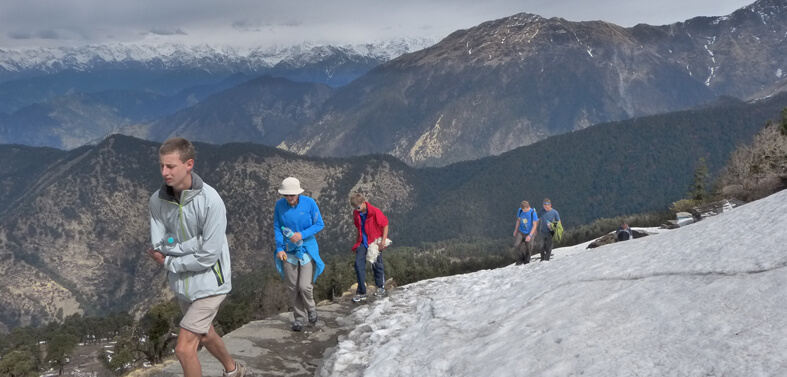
(198, 315)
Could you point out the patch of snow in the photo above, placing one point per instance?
(694, 301)
(712, 71)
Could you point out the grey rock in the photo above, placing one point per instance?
(269, 348)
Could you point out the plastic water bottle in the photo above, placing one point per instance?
(165, 243)
(288, 234)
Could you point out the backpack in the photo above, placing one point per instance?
(557, 231)
(624, 234)
(531, 212)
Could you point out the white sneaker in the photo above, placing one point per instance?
(359, 298)
(239, 371)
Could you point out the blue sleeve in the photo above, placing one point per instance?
(557, 216)
(316, 222)
(277, 235)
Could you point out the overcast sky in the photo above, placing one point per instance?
(33, 23)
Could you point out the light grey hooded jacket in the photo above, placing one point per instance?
(199, 261)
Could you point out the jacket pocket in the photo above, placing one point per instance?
(218, 273)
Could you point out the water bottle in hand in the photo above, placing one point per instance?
(288, 234)
(166, 243)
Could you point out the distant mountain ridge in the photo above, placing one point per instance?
(520, 79)
(22, 63)
(266, 110)
(66, 97)
(479, 92)
(72, 120)
(73, 224)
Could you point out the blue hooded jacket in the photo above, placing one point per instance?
(304, 218)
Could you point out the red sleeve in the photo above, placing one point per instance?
(380, 219)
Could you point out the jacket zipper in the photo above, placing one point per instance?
(183, 236)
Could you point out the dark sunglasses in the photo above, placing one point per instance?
(547, 203)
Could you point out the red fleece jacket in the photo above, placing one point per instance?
(375, 223)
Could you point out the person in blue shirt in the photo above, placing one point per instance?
(298, 263)
(549, 218)
(524, 232)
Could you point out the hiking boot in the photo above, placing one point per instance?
(313, 317)
(297, 325)
(239, 371)
(359, 298)
(380, 292)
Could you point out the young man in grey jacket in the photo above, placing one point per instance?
(188, 222)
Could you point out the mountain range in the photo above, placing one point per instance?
(478, 92)
(33, 76)
(517, 80)
(74, 226)
(332, 64)
(447, 140)
(67, 97)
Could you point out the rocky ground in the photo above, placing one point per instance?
(270, 348)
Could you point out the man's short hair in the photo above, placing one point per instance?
(357, 199)
(179, 145)
(524, 204)
(546, 200)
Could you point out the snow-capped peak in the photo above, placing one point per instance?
(54, 59)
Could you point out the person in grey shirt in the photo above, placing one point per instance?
(188, 224)
(545, 229)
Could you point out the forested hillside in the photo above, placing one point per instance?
(612, 169)
(76, 222)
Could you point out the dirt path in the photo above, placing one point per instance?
(270, 348)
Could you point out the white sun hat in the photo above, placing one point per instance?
(290, 186)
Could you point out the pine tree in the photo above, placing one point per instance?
(698, 191)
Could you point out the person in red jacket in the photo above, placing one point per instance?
(372, 231)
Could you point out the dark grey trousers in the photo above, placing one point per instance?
(522, 248)
(546, 244)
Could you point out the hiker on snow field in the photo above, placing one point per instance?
(372, 239)
(623, 233)
(188, 223)
(524, 232)
(297, 255)
(546, 228)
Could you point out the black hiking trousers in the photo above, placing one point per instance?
(546, 245)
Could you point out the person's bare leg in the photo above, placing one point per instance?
(186, 351)
(215, 345)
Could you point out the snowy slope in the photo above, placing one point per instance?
(705, 300)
